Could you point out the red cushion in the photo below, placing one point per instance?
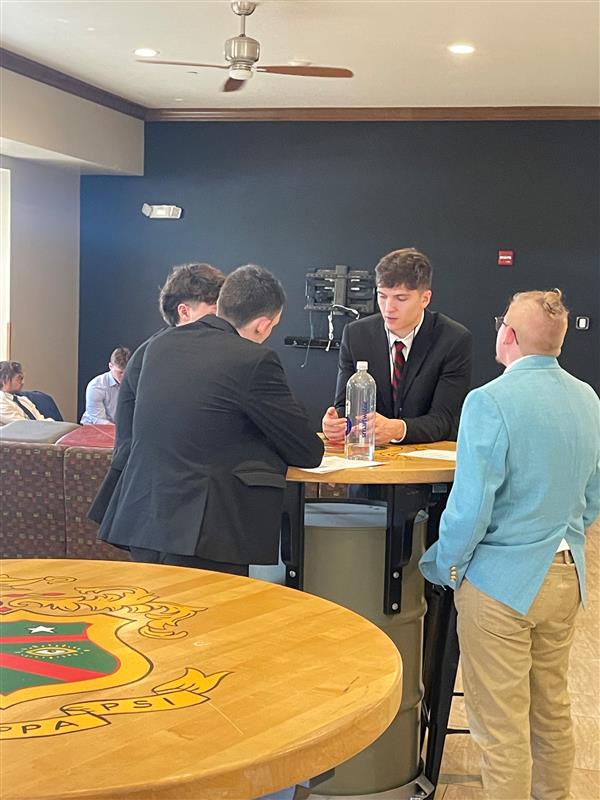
(89, 436)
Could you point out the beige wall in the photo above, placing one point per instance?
(44, 277)
(38, 116)
(47, 137)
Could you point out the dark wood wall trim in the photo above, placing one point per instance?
(59, 80)
(372, 114)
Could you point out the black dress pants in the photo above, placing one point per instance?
(146, 556)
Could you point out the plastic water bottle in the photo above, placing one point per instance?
(360, 414)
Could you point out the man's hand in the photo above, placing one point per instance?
(334, 427)
(388, 429)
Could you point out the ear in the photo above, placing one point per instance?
(262, 325)
(183, 312)
(426, 298)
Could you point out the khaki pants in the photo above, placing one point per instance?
(514, 669)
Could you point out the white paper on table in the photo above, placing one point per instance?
(442, 455)
(333, 463)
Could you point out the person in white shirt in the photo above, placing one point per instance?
(13, 407)
(102, 392)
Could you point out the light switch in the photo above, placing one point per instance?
(582, 323)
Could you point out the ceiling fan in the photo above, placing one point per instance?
(242, 53)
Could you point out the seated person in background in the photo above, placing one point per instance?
(102, 392)
(14, 408)
(420, 360)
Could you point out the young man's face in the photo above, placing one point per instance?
(401, 307)
(116, 372)
(15, 384)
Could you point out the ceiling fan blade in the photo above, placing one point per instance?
(180, 63)
(308, 71)
(231, 85)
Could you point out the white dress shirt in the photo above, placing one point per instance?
(407, 341)
(101, 398)
(10, 411)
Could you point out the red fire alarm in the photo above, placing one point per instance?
(506, 258)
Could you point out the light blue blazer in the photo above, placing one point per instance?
(527, 475)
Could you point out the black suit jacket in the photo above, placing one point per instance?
(124, 429)
(436, 378)
(215, 427)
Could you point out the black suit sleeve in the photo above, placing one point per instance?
(346, 369)
(453, 384)
(124, 428)
(271, 406)
(126, 408)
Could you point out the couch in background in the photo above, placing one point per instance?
(45, 492)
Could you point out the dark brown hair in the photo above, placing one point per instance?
(189, 283)
(407, 267)
(120, 356)
(9, 370)
(248, 293)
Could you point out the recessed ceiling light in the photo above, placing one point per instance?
(63, 20)
(461, 49)
(178, 99)
(145, 52)
(90, 29)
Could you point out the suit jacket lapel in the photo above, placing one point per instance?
(418, 351)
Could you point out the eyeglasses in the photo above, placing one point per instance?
(499, 322)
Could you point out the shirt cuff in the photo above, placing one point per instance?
(402, 438)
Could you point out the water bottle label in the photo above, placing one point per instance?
(363, 422)
(348, 425)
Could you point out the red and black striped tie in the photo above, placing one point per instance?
(399, 362)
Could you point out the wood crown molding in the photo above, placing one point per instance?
(382, 114)
(60, 80)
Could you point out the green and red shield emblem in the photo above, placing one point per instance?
(43, 656)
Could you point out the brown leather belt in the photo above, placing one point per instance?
(564, 557)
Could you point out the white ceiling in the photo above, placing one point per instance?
(528, 52)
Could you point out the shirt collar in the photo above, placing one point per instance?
(112, 381)
(408, 339)
(517, 360)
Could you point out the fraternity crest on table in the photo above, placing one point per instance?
(57, 638)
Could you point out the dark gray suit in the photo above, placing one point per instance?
(436, 378)
(215, 427)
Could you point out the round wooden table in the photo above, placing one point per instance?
(124, 680)
(378, 577)
(398, 467)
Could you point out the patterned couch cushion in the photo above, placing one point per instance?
(32, 507)
(84, 471)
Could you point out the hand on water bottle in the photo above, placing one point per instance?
(334, 427)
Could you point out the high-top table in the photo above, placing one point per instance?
(124, 680)
(415, 492)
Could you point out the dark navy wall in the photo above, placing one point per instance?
(295, 196)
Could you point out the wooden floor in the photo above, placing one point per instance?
(460, 778)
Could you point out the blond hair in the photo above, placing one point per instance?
(540, 321)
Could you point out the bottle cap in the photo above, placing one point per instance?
(362, 365)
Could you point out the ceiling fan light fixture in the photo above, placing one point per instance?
(240, 72)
